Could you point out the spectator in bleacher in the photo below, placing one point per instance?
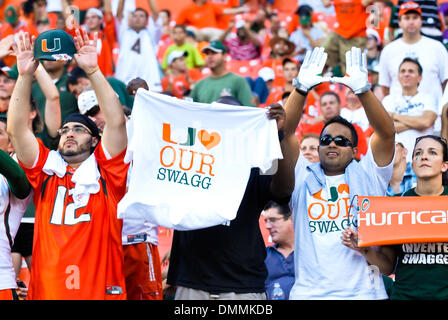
(103, 22)
(12, 25)
(431, 55)
(246, 45)
(138, 39)
(309, 146)
(178, 79)
(324, 6)
(330, 106)
(413, 111)
(431, 23)
(193, 58)
(276, 29)
(290, 70)
(419, 268)
(166, 23)
(78, 81)
(354, 112)
(221, 82)
(373, 46)
(202, 17)
(262, 85)
(279, 256)
(307, 36)
(257, 24)
(403, 178)
(281, 48)
(351, 32)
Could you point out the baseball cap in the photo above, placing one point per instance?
(87, 100)
(11, 15)
(54, 45)
(240, 24)
(216, 46)
(11, 73)
(175, 54)
(96, 11)
(266, 74)
(409, 6)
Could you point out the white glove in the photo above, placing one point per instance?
(356, 75)
(310, 73)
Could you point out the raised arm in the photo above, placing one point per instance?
(309, 76)
(154, 9)
(356, 78)
(114, 137)
(15, 176)
(22, 137)
(52, 102)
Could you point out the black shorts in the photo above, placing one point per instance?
(23, 242)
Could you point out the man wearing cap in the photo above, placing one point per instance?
(430, 53)
(221, 82)
(77, 252)
(246, 45)
(307, 36)
(179, 36)
(12, 25)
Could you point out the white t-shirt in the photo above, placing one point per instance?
(324, 267)
(138, 54)
(432, 56)
(192, 161)
(411, 106)
(357, 116)
(8, 229)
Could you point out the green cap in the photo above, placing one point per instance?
(216, 46)
(11, 15)
(54, 45)
(11, 73)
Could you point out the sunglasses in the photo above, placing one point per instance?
(93, 111)
(438, 138)
(340, 141)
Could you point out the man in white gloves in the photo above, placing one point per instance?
(324, 197)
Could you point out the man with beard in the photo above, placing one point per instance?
(77, 252)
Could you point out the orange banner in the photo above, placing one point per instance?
(396, 220)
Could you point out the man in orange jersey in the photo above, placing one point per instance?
(77, 252)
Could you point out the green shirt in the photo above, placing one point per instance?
(120, 88)
(193, 59)
(422, 268)
(211, 89)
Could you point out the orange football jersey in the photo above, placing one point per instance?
(77, 252)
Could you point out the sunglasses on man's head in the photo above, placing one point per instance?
(340, 141)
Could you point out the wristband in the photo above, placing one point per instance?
(303, 93)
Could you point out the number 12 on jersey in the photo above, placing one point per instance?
(69, 217)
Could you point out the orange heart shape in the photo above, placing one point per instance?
(209, 140)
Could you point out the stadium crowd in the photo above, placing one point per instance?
(237, 53)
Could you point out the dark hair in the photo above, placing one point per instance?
(414, 61)
(283, 209)
(330, 93)
(344, 122)
(143, 10)
(443, 142)
(289, 60)
(74, 75)
(229, 100)
(167, 11)
(181, 26)
(304, 10)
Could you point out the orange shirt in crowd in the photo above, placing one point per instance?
(351, 16)
(224, 19)
(84, 5)
(277, 66)
(200, 16)
(107, 39)
(16, 3)
(179, 85)
(6, 29)
(77, 251)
